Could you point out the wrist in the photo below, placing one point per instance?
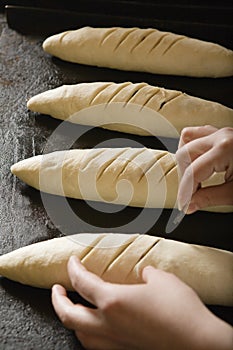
(216, 335)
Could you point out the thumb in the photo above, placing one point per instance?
(150, 273)
(212, 196)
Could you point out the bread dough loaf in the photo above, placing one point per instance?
(120, 258)
(135, 108)
(139, 177)
(146, 50)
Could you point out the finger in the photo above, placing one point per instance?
(59, 295)
(195, 132)
(86, 283)
(190, 152)
(151, 274)
(211, 197)
(62, 304)
(90, 342)
(200, 170)
(161, 280)
(148, 273)
(74, 316)
(222, 140)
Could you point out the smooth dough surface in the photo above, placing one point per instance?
(138, 177)
(120, 258)
(134, 108)
(147, 50)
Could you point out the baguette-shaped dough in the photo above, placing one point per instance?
(120, 258)
(146, 50)
(135, 108)
(139, 177)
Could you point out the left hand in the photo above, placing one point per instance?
(161, 313)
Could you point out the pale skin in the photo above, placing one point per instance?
(201, 152)
(160, 313)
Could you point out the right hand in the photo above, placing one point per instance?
(201, 152)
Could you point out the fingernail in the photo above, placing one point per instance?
(148, 267)
(180, 207)
(57, 288)
(192, 208)
(183, 202)
(74, 260)
(183, 206)
(54, 287)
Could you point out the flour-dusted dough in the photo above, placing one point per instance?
(135, 108)
(146, 50)
(139, 177)
(120, 258)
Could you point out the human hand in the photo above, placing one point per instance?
(201, 152)
(161, 313)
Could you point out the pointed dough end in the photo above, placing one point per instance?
(14, 169)
(27, 170)
(53, 42)
(35, 103)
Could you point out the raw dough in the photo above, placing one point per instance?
(139, 177)
(120, 258)
(146, 50)
(135, 108)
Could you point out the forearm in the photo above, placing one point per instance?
(216, 335)
(223, 339)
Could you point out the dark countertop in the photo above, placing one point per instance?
(27, 317)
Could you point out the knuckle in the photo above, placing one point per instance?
(227, 129)
(226, 139)
(208, 127)
(110, 304)
(186, 133)
(203, 200)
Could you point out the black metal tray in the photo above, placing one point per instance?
(26, 313)
(209, 23)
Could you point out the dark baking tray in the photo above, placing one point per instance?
(27, 316)
(183, 12)
(46, 21)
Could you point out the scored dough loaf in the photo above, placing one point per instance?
(135, 108)
(120, 258)
(146, 50)
(139, 177)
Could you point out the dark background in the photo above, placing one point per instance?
(27, 317)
